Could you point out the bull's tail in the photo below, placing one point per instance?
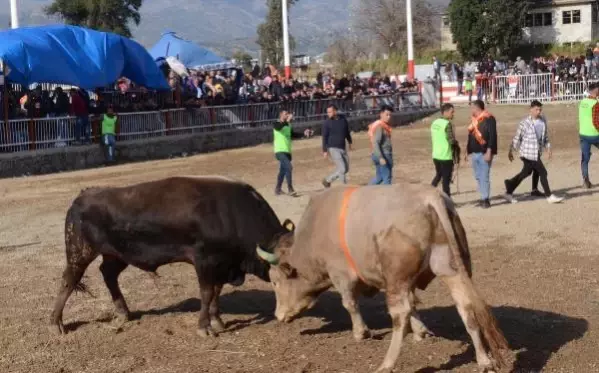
(493, 337)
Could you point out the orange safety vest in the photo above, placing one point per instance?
(473, 127)
(372, 128)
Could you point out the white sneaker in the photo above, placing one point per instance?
(510, 198)
(554, 199)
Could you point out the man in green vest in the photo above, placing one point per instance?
(588, 129)
(443, 141)
(282, 136)
(109, 125)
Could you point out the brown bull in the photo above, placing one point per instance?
(392, 238)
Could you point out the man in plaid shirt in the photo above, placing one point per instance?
(530, 140)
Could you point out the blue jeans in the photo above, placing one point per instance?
(384, 173)
(82, 128)
(285, 169)
(585, 148)
(482, 171)
(109, 141)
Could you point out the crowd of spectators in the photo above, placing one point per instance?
(201, 89)
(267, 86)
(564, 68)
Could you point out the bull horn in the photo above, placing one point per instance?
(269, 257)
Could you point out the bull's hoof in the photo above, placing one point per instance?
(207, 332)
(122, 317)
(217, 324)
(57, 329)
(56, 326)
(422, 334)
(360, 335)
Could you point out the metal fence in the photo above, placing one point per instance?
(55, 132)
(520, 89)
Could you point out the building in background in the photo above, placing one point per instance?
(549, 22)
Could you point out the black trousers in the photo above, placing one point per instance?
(444, 171)
(535, 180)
(528, 168)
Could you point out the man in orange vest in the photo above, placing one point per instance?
(382, 148)
(482, 144)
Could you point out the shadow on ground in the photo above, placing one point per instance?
(534, 334)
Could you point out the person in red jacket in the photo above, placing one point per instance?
(81, 112)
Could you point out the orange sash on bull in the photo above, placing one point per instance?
(473, 127)
(373, 126)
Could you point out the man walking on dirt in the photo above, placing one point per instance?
(282, 135)
(443, 144)
(482, 144)
(531, 138)
(588, 130)
(335, 131)
(379, 133)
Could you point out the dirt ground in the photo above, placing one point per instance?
(535, 263)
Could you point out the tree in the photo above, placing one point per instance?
(486, 26)
(270, 33)
(103, 15)
(385, 20)
(243, 58)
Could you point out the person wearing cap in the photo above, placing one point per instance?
(588, 130)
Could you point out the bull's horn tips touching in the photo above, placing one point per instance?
(269, 257)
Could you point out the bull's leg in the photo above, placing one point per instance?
(111, 268)
(215, 321)
(418, 328)
(400, 310)
(465, 309)
(207, 295)
(79, 257)
(347, 290)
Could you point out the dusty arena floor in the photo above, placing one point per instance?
(536, 264)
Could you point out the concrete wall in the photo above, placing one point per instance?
(81, 157)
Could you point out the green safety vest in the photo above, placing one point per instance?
(282, 139)
(468, 85)
(108, 125)
(441, 146)
(585, 117)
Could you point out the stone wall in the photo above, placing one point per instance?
(81, 157)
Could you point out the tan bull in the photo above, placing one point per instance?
(392, 238)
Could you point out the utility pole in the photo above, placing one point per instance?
(286, 39)
(410, 40)
(14, 14)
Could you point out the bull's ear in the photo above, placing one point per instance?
(288, 270)
(288, 224)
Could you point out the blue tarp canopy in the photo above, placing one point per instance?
(191, 55)
(76, 56)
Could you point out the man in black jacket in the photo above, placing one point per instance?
(335, 131)
(482, 144)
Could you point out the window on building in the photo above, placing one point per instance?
(567, 17)
(570, 16)
(538, 19)
(446, 21)
(528, 20)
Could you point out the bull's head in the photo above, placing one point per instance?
(294, 293)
